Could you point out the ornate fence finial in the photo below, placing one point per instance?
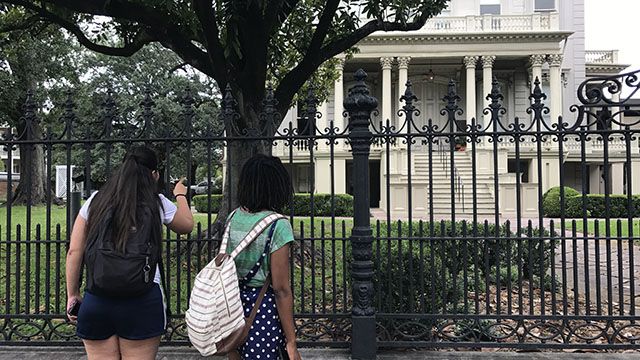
(147, 111)
(359, 102)
(269, 115)
(269, 102)
(109, 112)
(68, 115)
(495, 96)
(228, 112)
(408, 109)
(311, 112)
(30, 118)
(495, 106)
(537, 106)
(451, 108)
(408, 97)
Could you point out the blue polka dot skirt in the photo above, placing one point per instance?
(265, 336)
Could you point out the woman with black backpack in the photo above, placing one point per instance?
(117, 235)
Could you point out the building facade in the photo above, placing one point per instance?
(471, 42)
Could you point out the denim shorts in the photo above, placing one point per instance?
(134, 318)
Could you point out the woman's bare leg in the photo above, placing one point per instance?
(139, 349)
(103, 349)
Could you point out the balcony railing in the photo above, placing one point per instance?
(601, 56)
(491, 23)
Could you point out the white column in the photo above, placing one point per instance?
(616, 110)
(555, 86)
(403, 76)
(470, 64)
(338, 96)
(487, 78)
(617, 178)
(536, 62)
(322, 125)
(386, 62)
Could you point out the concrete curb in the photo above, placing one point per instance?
(185, 353)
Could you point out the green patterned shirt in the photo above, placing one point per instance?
(241, 223)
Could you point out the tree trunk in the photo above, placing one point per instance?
(237, 152)
(32, 187)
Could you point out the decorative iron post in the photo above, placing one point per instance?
(359, 105)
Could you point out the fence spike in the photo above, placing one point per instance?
(69, 115)
(269, 113)
(311, 113)
(188, 113)
(228, 112)
(451, 108)
(147, 111)
(109, 111)
(537, 107)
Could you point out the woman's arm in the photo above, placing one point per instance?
(74, 261)
(284, 297)
(182, 222)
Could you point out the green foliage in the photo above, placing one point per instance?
(201, 203)
(343, 204)
(425, 267)
(246, 43)
(551, 200)
(596, 206)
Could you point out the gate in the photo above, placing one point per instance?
(478, 240)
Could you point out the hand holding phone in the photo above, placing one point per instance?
(179, 188)
(72, 311)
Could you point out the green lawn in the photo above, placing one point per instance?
(614, 225)
(28, 267)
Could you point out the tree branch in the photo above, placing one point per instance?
(294, 80)
(190, 53)
(323, 26)
(176, 38)
(205, 14)
(277, 12)
(129, 10)
(142, 37)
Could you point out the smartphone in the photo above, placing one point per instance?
(75, 308)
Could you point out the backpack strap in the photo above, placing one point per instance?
(225, 236)
(253, 233)
(263, 258)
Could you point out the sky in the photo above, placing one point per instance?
(611, 25)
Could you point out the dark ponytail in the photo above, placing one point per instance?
(126, 194)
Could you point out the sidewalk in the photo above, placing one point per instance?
(177, 353)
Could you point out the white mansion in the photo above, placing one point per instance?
(471, 42)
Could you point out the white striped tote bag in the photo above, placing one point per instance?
(215, 320)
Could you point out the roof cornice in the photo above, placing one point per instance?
(605, 68)
(465, 37)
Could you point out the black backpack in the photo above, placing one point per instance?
(113, 273)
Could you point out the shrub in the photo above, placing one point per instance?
(343, 204)
(551, 200)
(596, 206)
(429, 274)
(201, 203)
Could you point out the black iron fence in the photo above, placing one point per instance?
(493, 233)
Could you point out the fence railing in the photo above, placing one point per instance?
(523, 264)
